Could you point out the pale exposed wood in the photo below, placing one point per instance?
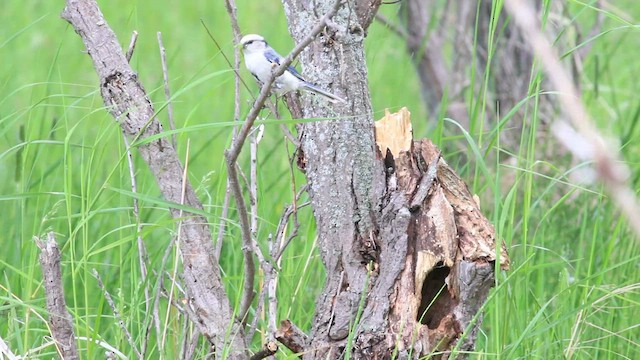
(394, 132)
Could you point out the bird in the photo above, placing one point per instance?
(260, 59)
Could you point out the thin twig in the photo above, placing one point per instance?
(167, 91)
(235, 69)
(159, 286)
(267, 268)
(223, 221)
(393, 27)
(116, 313)
(253, 185)
(142, 251)
(185, 337)
(132, 46)
(178, 235)
(285, 243)
(234, 151)
(232, 10)
(271, 283)
(233, 15)
(253, 200)
(612, 172)
(193, 344)
(249, 266)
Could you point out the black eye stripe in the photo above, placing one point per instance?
(252, 41)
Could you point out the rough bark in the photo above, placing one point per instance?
(378, 248)
(340, 168)
(126, 100)
(60, 321)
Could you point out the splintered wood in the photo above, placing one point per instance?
(394, 132)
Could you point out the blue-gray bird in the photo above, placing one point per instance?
(260, 59)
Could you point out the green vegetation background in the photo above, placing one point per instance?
(572, 292)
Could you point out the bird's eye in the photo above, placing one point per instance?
(248, 42)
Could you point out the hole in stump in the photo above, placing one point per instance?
(436, 301)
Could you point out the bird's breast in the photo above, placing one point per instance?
(258, 66)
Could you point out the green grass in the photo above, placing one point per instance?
(572, 292)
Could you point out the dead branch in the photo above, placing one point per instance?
(292, 337)
(116, 313)
(167, 91)
(234, 151)
(142, 251)
(223, 221)
(60, 321)
(132, 46)
(126, 100)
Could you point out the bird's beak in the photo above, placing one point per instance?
(238, 46)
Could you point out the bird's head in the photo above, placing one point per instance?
(252, 43)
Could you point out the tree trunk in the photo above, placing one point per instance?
(389, 241)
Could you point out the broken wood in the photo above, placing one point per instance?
(60, 321)
(430, 259)
(126, 99)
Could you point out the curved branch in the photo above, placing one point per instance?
(234, 151)
(127, 101)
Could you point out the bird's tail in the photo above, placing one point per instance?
(314, 89)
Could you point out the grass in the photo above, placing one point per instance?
(573, 289)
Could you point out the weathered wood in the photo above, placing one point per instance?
(377, 246)
(60, 321)
(126, 99)
(430, 261)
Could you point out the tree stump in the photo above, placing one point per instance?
(450, 246)
(429, 262)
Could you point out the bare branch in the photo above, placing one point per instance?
(132, 46)
(292, 337)
(223, 221)
(233, 15)
(236, 147)
(127, 101)
(142, 251)
(116, 313)
(612, 172)
(249, 275)
(60, 320)
(234, 151)
(167, 91)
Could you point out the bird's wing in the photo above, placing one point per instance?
(273, 57)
